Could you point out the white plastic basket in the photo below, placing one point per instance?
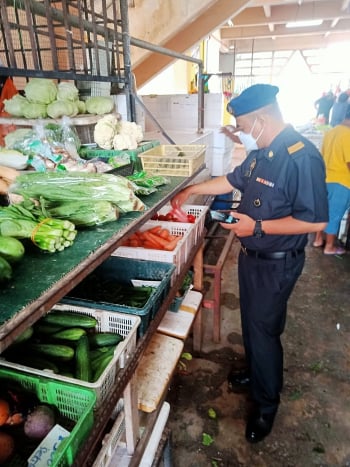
(123, 324)
(199, 212)
(110, 442)
(178, 256)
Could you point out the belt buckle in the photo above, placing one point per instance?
(244, 250)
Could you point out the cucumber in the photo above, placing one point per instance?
(70, 319)
(102, 366)
(11, 249)
(46, 328)
(102, 339)
(58, 351)
(99, 351)
(5, 270)
(82, 360)
(98, 360)
(69, 334)
(25, 336)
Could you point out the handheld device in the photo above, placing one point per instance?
(222, 217)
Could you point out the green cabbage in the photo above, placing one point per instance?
(15, 106)
(67, 91)
(99, 105)
(35, 110)
(58, 109)
(40, 90)
(81, 107)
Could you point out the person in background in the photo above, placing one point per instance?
(323, 106)
(284, 197)
(336, 153)
(339, 109)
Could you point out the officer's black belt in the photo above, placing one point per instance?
(273, 254)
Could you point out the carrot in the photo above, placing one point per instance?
(154, 229)
(156, 238)
(134, 243)
(172, 244)
(164, 233)
(151, 245)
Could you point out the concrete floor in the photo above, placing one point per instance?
(312, 427)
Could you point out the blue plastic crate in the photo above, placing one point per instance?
(123, 270)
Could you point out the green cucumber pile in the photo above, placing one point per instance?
(66, 343)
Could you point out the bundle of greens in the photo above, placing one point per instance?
(25, 220)
(81, 213)
(147, 183)
(64, 187)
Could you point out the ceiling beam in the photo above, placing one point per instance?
(217, 14)
(288, 43)
(239, 33)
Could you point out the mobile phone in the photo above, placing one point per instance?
(222, 217)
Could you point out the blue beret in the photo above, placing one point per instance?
(252, 98)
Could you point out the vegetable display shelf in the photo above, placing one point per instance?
(79, 120)
(41, 280)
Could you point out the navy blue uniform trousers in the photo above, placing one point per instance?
(265, 286)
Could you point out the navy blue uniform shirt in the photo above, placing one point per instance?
(285, 179)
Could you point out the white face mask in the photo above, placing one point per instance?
(248, 140)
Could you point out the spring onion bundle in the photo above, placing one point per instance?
(24, 220)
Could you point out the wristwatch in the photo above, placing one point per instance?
(258, 231)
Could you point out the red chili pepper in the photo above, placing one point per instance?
(191, 218)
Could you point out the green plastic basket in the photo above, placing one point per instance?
(103, 154)
(123, 270)
(73, 402)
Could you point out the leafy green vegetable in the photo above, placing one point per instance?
(23, 220)
(34, 110)
(211, 413)
(40, 90)
(99, 105)
(16, 105)
(83, 213)
(67, 91)
(60, 108)
(78, 186)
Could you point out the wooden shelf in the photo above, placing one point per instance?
(78, 120)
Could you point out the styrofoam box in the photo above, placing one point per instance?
(178, 256)
(221, 141)
(123, 324)
(222, 163)
(199, 212)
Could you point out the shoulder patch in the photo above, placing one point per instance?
(296, 147)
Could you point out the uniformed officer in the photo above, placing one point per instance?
(284, 198)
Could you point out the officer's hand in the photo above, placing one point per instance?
(179, 199)
(243, 228)
(229, 131)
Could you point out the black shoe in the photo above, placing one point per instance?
(259, 426)
(238, 381)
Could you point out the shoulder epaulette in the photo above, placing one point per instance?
(295, 147)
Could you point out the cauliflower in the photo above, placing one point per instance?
(105, 130)
(124, 141)
(132, 129)
(110, 133)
